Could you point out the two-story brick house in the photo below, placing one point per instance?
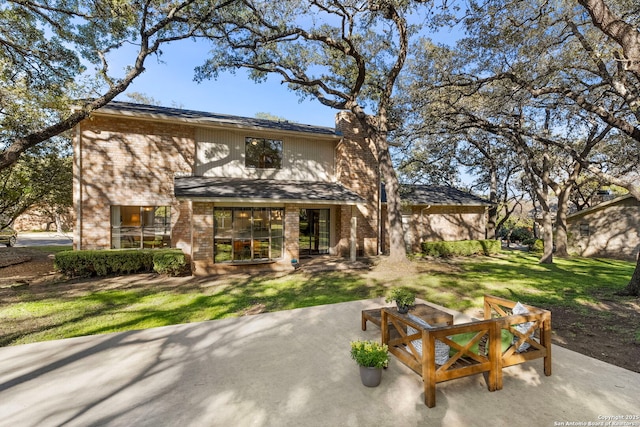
(226, 190)
(229, 191)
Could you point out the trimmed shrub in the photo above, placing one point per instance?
(170, 262)
(461, 248)
(535, 245)
(120, 262)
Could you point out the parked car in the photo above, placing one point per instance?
(8, 236)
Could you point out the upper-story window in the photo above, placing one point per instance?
(262, 153)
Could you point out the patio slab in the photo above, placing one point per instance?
(287, 368)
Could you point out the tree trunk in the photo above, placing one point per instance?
(397, 248)
(623, 33)
(547, 235)
(561, 223)
(633, 288)
(493, 210)
(58, 222)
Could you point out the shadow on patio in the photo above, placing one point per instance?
(287, 368)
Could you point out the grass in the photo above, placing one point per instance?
(62, 311)
(53, 249)
(573, 283)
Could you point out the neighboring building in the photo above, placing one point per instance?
(436, 213)
(40, 218)
(226, 190)
(609, 229)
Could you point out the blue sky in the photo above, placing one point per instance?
(171, 83)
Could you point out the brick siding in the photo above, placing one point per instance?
(126, 162)
(357, 169)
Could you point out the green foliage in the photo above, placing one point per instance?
(41, 177)
(117, 262)
(516, 229)
(37, 68)
(402, 296)
(461, 248)
(371, 354)
(45, 48)
(517, 234)
(170, 262)
(46, 314)
(535, 245)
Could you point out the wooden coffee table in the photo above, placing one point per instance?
(373, 315)
(393, 324)
(427, 313)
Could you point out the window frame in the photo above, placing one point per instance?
(584, 229)
(256, 234)
(257, 153)
(141, 227)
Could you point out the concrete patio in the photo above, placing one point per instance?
(287, 368)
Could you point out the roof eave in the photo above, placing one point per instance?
(208, 123)
(599, 206)
(486, 205)
(245, 200)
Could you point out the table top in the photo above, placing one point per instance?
(429, 314)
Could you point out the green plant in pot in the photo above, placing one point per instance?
(403, 297)
(371, 356)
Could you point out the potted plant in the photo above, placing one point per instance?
(371, 356)
(403, 297)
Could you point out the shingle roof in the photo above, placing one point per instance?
(263, 190)
(437, 195)
(600, 206)
(201, 117)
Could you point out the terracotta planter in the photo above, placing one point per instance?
(370, 377)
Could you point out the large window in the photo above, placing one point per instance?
(140, 227)
(247, 234)
(262, 153)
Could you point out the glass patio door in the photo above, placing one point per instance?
(314, 231)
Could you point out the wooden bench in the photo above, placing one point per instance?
(483, 353)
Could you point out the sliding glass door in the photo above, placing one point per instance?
(314, 231)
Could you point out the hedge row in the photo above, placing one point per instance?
(461, 248)
(118, 262)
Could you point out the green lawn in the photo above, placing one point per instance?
(62, 311)
(573, 283)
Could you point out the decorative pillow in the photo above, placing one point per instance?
(442, 349)
(479, 347)
(522, 327)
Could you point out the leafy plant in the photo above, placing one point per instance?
(461, 248)
(371, 354)
(118, 262)
(402, 296)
